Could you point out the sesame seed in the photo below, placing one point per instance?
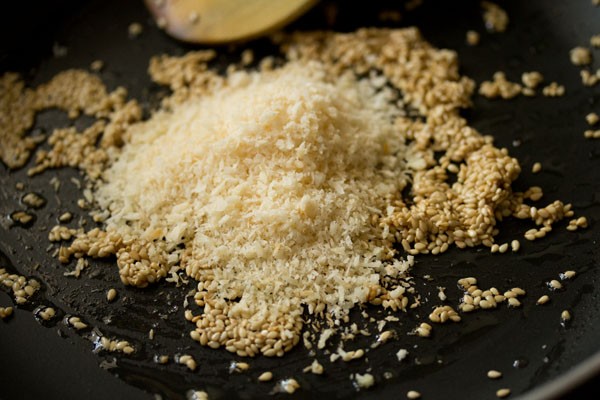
(493, 374)
(290, 385)
(401, 354)
(5, 312)
(65, 217)
(565, 316)
(501, 393)
(413, 394)
(537, 167)
(568, 275)
(135, 29)
(592, 118)
(515, 245)
(111, 295)
(472, 38)
(97, 65)
(265, 376)
(580, 56)
(513, 302)
(555, 285)
(543, 300)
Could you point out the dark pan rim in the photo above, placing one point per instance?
(566, 382)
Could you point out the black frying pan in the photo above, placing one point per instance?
(539, 358)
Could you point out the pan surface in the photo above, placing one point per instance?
(529, 345)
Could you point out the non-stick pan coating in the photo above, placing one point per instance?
(529, 344)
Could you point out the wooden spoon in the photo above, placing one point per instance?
(220, 21)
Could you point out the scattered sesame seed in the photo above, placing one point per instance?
(401, 354)
(473, 38)
(5, 312)
(316, 368)
(537, 167)
(590, 134)
(567, 275)
(265, 376)
(494, 17)
(580, 56)
(413, 394)
(493, 374)
(97, 65)
(76, 323)
(65, 217)
(565, 316)
(532, 79)
(161, 359)
(553, 90)
(111, 295)
(198, 395)
(135, 29)
(592, 118)
(188, 361)
(555, 285)
(588, 78)
(47, 313)
(423, 330)
(239, 366)
(499, 86)
(442, 293)
(33, 200)
(290, 385)
(515, 245)
(501, 393)
(543, 300)
(443, 314)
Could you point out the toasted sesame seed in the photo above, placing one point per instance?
(501, 393)
(265, 376)
(580, 56)
(97, 65)
(290, 385)
(5, 312)
(401, 354)
(565, 316)
(568, 275)
(111, 295)
(135, 29)
(413, 394)
(513, 302)
(531, 79)
(543, 300)
(515, 245)
(555, 285)
(537, 167)
(241, 366)
(592, 118)
(493, 374)
(472, 38)
(65, 217)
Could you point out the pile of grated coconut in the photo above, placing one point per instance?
(264, 190)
